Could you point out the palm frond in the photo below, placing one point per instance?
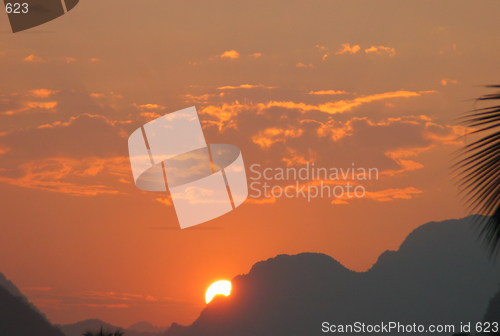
(479, 167)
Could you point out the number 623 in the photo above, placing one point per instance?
(17, 8)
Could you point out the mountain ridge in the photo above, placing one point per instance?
(18, 317)
(440, 269)
(95, 324)
(440, 272)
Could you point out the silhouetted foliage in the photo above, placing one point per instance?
(493, 312)
(104, 333)
(479, 167)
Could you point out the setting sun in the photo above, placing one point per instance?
(222, 287)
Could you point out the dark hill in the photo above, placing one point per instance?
(440, 274)
(94, 325)
(18, 318)
(78, 328)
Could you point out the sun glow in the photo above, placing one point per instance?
(222, 287)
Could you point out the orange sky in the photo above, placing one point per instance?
(378, 84)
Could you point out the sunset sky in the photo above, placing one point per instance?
(375, 83)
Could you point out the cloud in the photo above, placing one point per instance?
(230, 54)
(119, 296)
(201, 99)
(68, 176)
(392, 194)
(85, 155)
(223, 116)
(321, 47)
(263, 200)
(4, 150)
(81, 118)
(381, 50)
(97, 102)
(295, 134)
(150, 115)
(42, 93)
(448, 81)
(149, 111)
(85, 135)
(337, 198)
(341, 106)
(149, 107)
(324, 50)
(108, 95)
(33, 59)
(448, 135)
(328, 92)
(346, 48)
(315, 127)
(304, 65)
(164, 201)
(37, 289)
(245, 86)
(290, 133)
(33, 107)
(270, 136)
(46, 105)
(99, 300)
(104, 305)
(256, 55)
(47, 100)
(400, 156)
(331, 128)
(294, 158)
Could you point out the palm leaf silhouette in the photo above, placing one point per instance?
(479, 167)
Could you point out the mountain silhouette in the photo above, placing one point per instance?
(145, 326)
(10, 287)
(78, 328)
(440, 274)
(17, 315)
